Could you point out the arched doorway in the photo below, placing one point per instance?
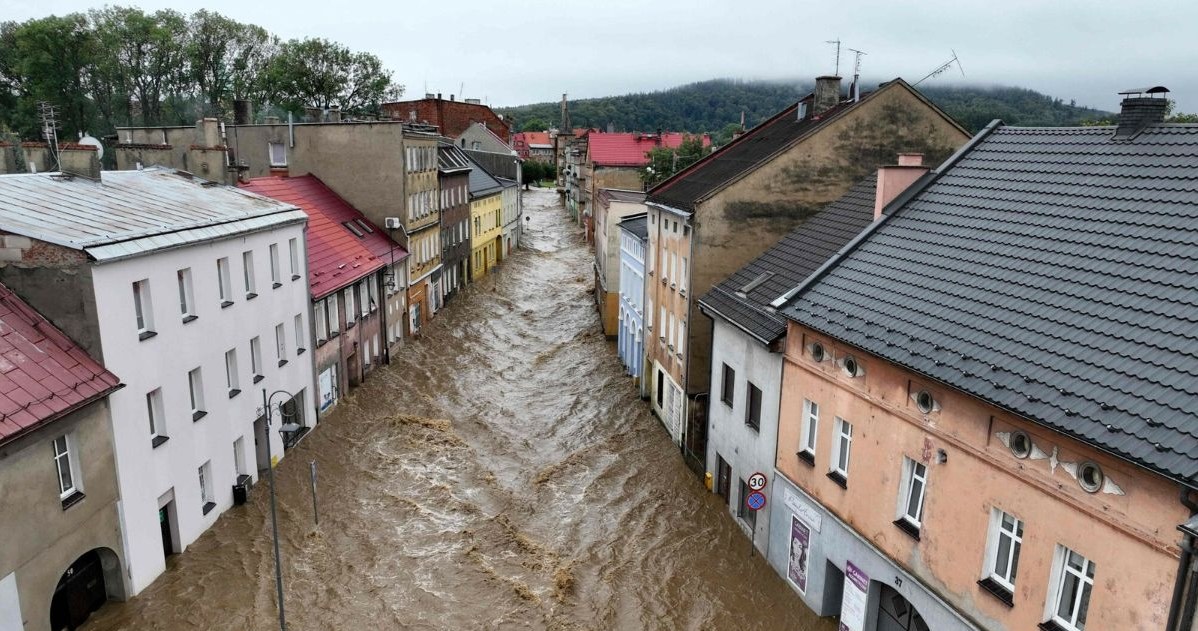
(84, 587)
(895, 613)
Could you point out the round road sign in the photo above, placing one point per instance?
(757, 481)
(755, 500)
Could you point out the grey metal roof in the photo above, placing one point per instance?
(481, 182)
(788, 262)
(129, 213)
(637, 225)
(506, 182)
(1050, 272)
(608, 195)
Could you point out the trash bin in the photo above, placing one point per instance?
(241, 490)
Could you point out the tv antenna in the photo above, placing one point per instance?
(855, 88)
(837, 42)
(942, 68)
(49, 117)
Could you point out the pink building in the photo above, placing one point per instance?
(988, 410)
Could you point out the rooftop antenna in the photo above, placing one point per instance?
(941, 68)
(462, 90)
(837, 42)
(49, 117)
(855, 88)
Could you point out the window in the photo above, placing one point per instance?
(810, 427)
(65, 464)
(256, 359)
(223, 279)
(321, 321)
(334, 316)
(195, 387)
(1002, 554)
(728, 386)
(1074, 580)
(299, 334)
(205, 475)
(753, 407)
(247, 263)
(914, 484)
(843, 442)
(278, 154)
(231, 381)
(143, 310)
(281, 344)
(1090, 476)
(682, 276)
(274, 266)
(364, 298)
(746, 514)
(187, 299)
(156, 417)
(662, 325)
(1020, 444)
(293, 249)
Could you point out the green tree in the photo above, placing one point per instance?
(534, 124)
(140, 58)
(665, 162)
(320, 73)
(532, 172)
(229, 60)
(48, 59)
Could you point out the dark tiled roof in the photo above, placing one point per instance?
(790, 261)
(637, 225)
(43, 374)
(1050, 272)
(687, 188)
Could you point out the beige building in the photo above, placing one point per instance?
(62, 556)
(709, 220)
(422, 224)
(611, 207)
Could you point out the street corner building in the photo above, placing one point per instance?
(988, 403)
(196, 296)
(63, 555)
(354, 272)
(710, 219)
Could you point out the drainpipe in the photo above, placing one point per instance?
(1181, 615)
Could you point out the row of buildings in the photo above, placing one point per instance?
(283, 261)
(958, 367)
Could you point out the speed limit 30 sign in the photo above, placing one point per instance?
(757, 481)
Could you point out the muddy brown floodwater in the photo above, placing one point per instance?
(500, 473)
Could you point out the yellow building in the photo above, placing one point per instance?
(486, 221)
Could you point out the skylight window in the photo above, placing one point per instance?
(365, 226)
(354, 229)
(756, 282)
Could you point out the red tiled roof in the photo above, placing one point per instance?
(336, 256)
(43, 374)
(631, 149)
(536, 137)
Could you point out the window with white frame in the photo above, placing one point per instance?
(195, 389)
(363, 298)
(1002, 549)
(334, 316)
(247, 265)
(1073, 582)
(224, 280)
(299, 333)
(275, 280)
(914, 487)
(256, 358)
(372, 294)
(321, 321)
(810, 429)
(351, 310)
(143, 309)
(205, 476)
(231, 381)
(64, 463)
(278, 154)
(281, 343)
(841, 446)
(293, 250)
(156, 417)
(187, 299)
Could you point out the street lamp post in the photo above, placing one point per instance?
(274, 517)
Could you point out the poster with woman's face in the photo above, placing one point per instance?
(800, 547)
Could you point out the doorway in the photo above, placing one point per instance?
(168, 527)
(723, 485)
(260, 443)
(83, 588)
(897, 614)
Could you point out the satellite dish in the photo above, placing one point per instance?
(93, 142)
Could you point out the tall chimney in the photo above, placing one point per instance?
(209, 132)
(243, 112)
(827, 94)
(335, 114)
(1140, 111)
(893, 180)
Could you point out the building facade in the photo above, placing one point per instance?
(612, 206)
(453, 171)
(479, 137)
(486, 226)
(630, 341)
(451, 117)
(511, 218)
(196, 296)
(63, 555)
(422, 226)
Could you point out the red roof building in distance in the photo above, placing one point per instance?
(523, 141)
(452, 117)
(44, 375)
(632, 149)
(343, 246)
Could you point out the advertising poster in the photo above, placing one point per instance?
(856, 595)
(326, 388)
(800, 553)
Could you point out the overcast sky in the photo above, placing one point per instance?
(510, 53)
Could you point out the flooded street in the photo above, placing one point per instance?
(500, 473)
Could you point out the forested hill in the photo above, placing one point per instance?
(710, 106)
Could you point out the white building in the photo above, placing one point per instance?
(746, 354)
(197, 296)
(511, 217)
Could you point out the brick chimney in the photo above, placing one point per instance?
(827, 94)
(894, 179)
(1141, 109)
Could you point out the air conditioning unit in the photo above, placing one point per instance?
(391, 223)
